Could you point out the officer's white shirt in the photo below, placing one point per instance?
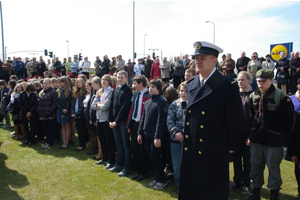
(200, 77)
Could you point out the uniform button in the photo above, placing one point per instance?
(187, 123)
(189, 111)
(202, 127)
(201, 140)
(185, 148)
(186, 136)
(200, 152)
(203, 113)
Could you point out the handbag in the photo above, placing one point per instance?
(281, 78)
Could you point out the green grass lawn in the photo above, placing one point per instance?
(31, 172)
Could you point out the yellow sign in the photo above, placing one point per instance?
(275, 52)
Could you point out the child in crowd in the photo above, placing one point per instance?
(28, 103)
(63, 114)
(46, 110)
(77, 109)
(101, 103)
(150, 132)
(16, 114)
(176, 124)
(119, 109)
(241, 176)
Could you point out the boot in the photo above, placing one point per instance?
(255, 194)
(274, 194)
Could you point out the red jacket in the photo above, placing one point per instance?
(155, 71)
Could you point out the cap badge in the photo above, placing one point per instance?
(198, 45)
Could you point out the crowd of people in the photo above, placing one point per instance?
(144, 112)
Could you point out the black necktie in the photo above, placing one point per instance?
(136, 105)
(202, 82)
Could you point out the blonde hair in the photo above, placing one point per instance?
(15, 89)
(246, 74)
(66, 87)
(45, 80)
(78, 91)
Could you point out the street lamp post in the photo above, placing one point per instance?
(144, 44)
(68, 48)
(214, 29)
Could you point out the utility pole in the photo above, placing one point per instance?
(133, 31)
(3, 50)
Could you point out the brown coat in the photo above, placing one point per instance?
(228, 67)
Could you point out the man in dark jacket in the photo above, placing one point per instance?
(177, 72)
(118, 113)
(104, 66)
(242, 62)
(148, 65)
(295, 71)
(207, 143)
(273, 118)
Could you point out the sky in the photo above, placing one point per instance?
(98, 28)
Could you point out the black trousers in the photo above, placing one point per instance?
(87, 74)
(156, 155)
(81, 130)
(176, 81)
(140, 157)
(29, 128)
(241, 165)
(106, 137)
(49, 130)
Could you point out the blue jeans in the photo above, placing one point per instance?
(254, 84)
(123, 146)
(176, 160)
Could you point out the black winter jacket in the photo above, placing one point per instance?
(28, 103)
(63, 102)
(47, 103)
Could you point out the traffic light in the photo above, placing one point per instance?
(80, 57)
(46, 52)
(153, 55)
(50, 54)
(134, 55)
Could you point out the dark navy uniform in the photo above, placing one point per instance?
(214, 122)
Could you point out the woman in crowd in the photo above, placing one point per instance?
(165, 67)
(77, 111)
(155, 70)
(85, 67)
(89, 126)
(294, 148)
(282, 74)
(63, 114)
(253, 66)
(241, 176)
(176, 124)
(101, 103)
(96, 85)
(46, 110)
(16, 114)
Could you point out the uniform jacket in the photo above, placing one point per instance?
(214, 123)
(275, 125)
(46, 103)
(146, 96)
(154, 116)
(120, 104)
(103, 113)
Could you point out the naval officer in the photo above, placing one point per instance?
(214, 122)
